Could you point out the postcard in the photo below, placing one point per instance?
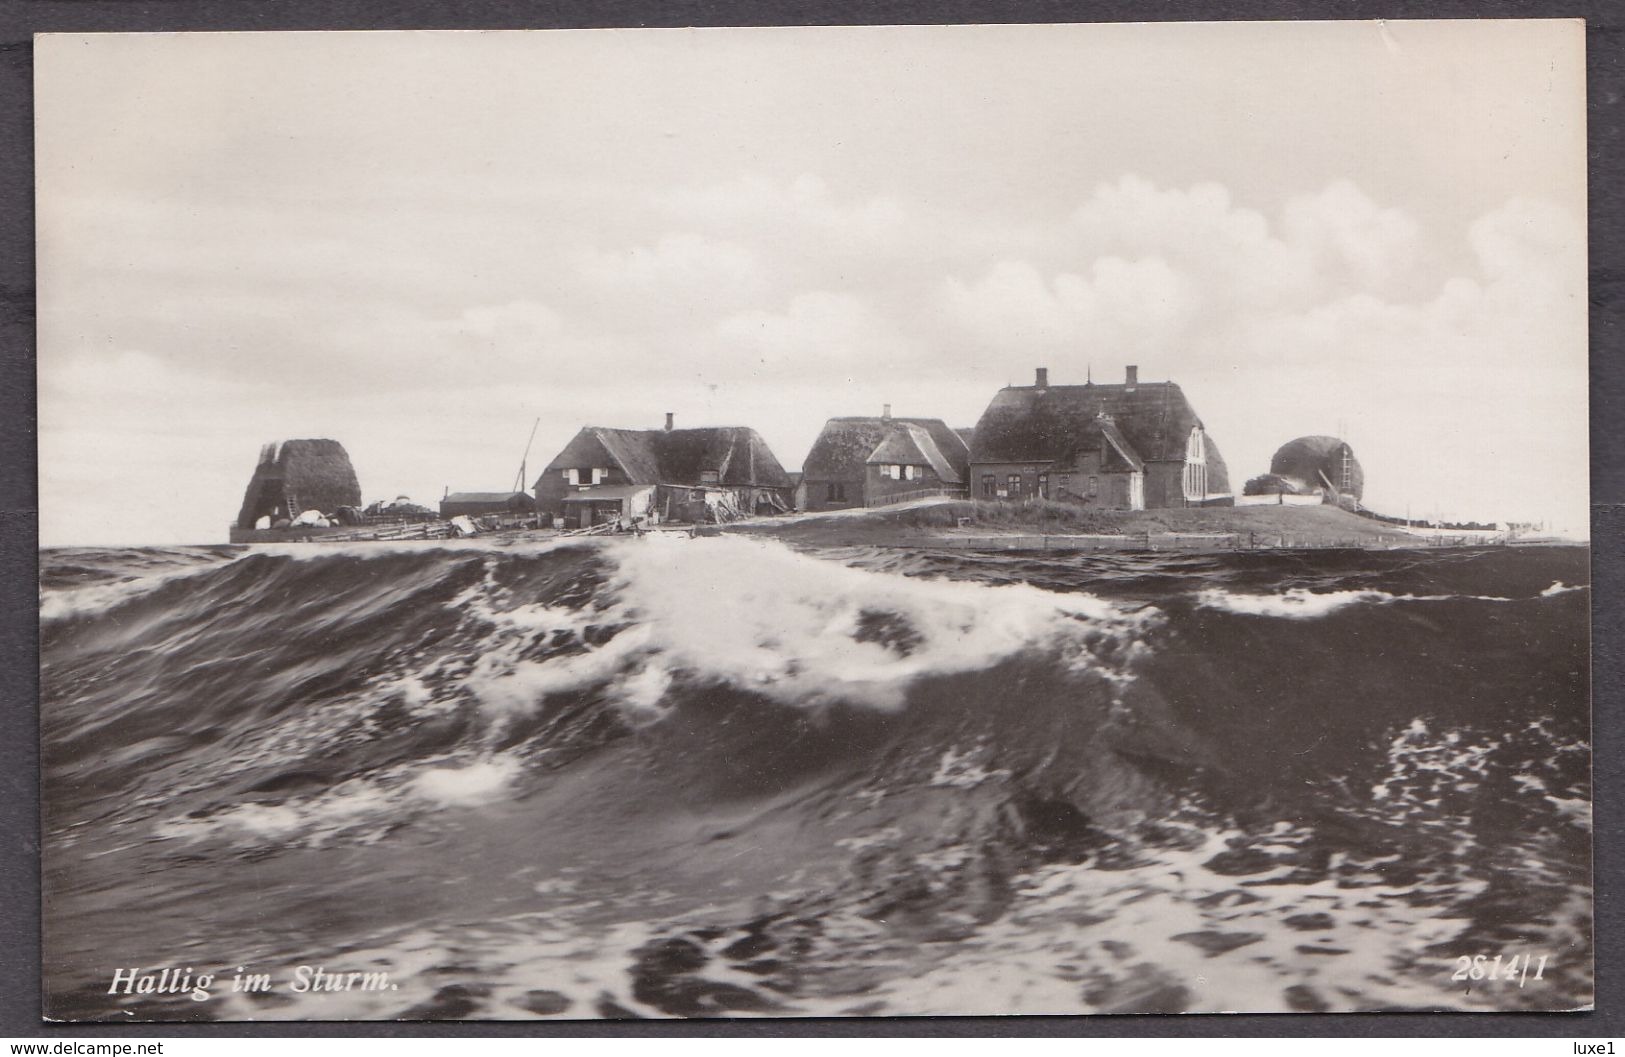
(814, 521)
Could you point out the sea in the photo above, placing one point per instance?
(726, 777)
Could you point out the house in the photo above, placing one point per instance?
(858, 461)
(708, 474)
(480, 504)
(1133, 446)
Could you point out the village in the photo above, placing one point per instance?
(1047, 466)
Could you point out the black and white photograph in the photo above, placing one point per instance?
(806, 522)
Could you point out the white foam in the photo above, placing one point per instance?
(1299, 603)
(477, 783)
(1296, 603)
(806, 631)
(1560, 588)
(63, 604)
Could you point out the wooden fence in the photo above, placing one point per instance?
(917, 493)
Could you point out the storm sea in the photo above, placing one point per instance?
(669, 777)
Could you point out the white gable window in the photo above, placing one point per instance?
(1195, 476)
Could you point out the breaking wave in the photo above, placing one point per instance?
(667, 777)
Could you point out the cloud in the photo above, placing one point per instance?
(1463, 390)
(819, 332)
(1118, 308)
(686, 271)
(777, 303)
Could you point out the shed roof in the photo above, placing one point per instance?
(605, 491)
(484, 497)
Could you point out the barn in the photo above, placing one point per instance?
(480, 504)
(705, 474)
(293, 476)
(1130, 446)
(858, 461)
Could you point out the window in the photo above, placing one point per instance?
(1014, 484)
(709, 477)
(990, 485)
(1064, 485)
(1043, 485)
(1094, 485)
(836, 492)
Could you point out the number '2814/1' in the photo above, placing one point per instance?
(1518, 967)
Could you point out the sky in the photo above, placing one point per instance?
(420, 243)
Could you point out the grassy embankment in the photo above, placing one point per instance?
(1306, 526)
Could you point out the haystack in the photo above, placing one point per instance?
(293, 476)
(1320, 464)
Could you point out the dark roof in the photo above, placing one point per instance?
(311, 474)
(906, 444)
(1118, 450)
(845, 444)
(483, 497)
(738, 454)
(1306, 459)
(1053, 423)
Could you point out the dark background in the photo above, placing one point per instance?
(19, 729)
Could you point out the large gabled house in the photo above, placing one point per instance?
(858, 461)
(1132, 446)
(707, 474)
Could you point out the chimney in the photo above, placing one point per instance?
(1043, 378)
(1133, 376)
(668, 421)
(886, 414)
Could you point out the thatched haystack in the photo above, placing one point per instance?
(293, 476)
(1320, 464)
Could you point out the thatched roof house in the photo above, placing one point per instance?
(1146, 430)
(293, 476)
(734, 458)
(853, 455)
(1320, 464)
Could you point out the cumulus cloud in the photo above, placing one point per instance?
(820, 333)
(685, 269)
(1463, 392)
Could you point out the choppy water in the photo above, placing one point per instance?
(722, 777)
